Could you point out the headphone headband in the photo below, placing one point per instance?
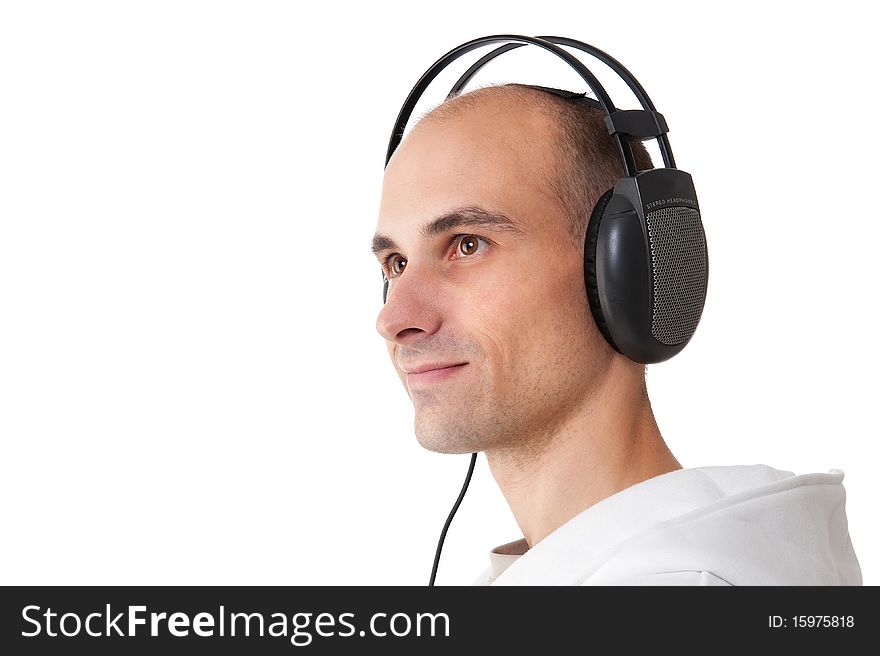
(643, 124)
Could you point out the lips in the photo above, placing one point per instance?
(424, 368)
(432, 372)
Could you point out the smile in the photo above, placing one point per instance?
(433, 374)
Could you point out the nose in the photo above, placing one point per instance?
(412, 307)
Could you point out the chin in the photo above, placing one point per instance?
(446, 441)
(447, 436)
(443, 446)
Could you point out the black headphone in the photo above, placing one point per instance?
(646, 264)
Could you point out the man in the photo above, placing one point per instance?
(481, 233)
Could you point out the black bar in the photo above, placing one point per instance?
(340, 620)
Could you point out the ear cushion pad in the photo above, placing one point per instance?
(590, 277)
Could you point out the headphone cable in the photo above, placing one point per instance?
(451, 515)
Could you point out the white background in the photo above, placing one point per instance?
(192, 390)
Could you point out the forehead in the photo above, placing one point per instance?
(496, 157)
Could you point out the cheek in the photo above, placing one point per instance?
(537, 293)
(531, 315)
(510, 320)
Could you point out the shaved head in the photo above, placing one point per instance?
(579, 160)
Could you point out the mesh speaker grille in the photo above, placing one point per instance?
(680, 268)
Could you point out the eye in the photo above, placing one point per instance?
(396, 264)
(469, 244)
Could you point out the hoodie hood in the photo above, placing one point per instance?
(737, 525)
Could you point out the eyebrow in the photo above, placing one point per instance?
(471, 216)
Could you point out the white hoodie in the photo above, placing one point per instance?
(721, 525)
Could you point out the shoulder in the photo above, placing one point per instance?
(684, 577)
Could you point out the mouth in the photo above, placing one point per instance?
(433, 373)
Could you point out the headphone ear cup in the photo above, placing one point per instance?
(590, 277)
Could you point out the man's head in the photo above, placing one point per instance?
(481, 232)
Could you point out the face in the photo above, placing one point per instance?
(486, 320)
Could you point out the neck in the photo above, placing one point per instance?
(608, 443)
